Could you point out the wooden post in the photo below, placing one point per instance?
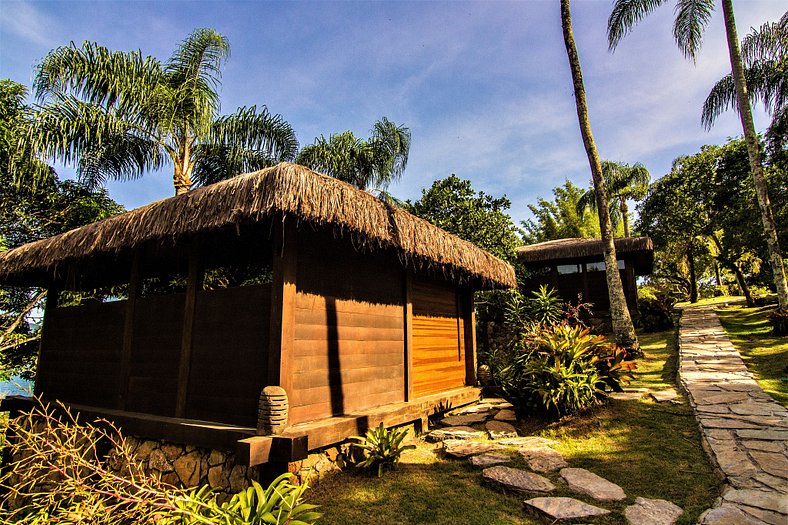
(135, 286)
(283, 295)
(585, 283)
(469, 316)
(194, 284)
(53, 293)
(408, 323)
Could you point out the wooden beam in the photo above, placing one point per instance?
(194, 283)
(283, 295)
(408, 321)
(135, 286)
(53, 294)
(262, 449)
(469, 317)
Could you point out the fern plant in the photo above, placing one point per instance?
(381, 448)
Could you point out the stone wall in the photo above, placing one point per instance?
(190, 466)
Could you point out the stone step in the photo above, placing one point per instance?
(460, 432)
(516, 480)
(463, 421)
(542, 458)
(488, 460)
(561, 510)
(500, 429)
(652, 512)
(462, 449)
(586, 482)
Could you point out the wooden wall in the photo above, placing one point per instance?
(438, 338)
(155, 354)
(229, 354)
(348, 348)
(80, 353)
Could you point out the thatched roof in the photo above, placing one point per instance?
(289, 189)
(638, 249)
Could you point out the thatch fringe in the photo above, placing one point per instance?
(287, 188)
(577, 247)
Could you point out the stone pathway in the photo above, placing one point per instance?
(462, 437)
(745, 431)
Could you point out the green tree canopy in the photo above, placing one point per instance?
(560, 218)
(116, 114)
(374, 162)
(692, 17)
(30, 212)
(624, 183)
(453, 204)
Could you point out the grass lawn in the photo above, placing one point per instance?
(649, 449)
(766, 356)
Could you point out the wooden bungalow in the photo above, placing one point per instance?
(576, 267)
(362, 312)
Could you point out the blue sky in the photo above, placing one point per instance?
(484, 86)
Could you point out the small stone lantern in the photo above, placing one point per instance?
(272, 411)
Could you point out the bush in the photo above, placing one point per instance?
(381, 448)
(562, 369)
(655, 308)
(779, 320)
(60, 472)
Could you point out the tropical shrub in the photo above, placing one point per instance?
(61, 472)
(779, 320)
(563, 369)
(381, 448)
(654, 309)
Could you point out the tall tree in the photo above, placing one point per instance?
(560, 218)
(624, 182)
(117, 114)
(765, 57)
(692, 17)
(623, 329)
(453, 204)
(374, 162)
(27, 213)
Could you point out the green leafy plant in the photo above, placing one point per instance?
(654, 309)
(381, 448)
(545, 306)
(564, 369)
(63, 470)
(279, 504)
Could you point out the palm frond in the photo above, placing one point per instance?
(343, 156)
(767, 42)
(121, 157)
(194, 72)
(70, 129)
(391, 144)
(97, 75)
(249, 129)
(767, 83)
(692, 17)
(625, 15)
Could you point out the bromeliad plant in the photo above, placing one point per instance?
(381, 448)
(563, 369)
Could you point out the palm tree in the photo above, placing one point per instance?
(362, 163)
(692, 16)
(624, 182)
(765, 55)
(623, 330)
(116, 114)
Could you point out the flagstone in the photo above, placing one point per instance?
(516, 480)
(652, 512)
(556, 510)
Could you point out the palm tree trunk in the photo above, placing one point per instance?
(624, 211)
(623, 330)
(753, 150)
(693, 275)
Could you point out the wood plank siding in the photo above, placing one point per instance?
(81, 353)
(348, 348)
(229, 354)
(438, 338)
